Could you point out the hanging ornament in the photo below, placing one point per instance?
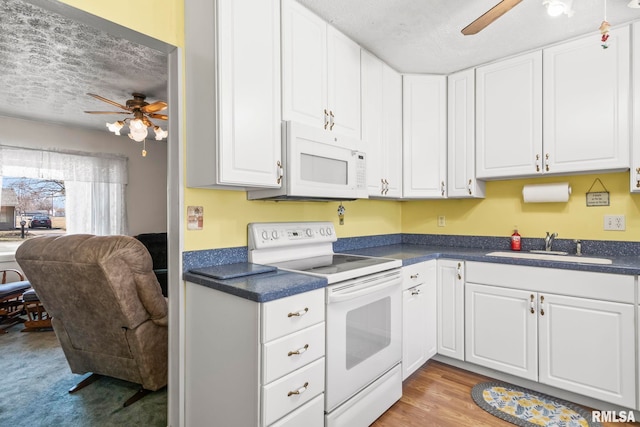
(604, 29)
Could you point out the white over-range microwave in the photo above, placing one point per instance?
(318, 165)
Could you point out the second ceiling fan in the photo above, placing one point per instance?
(489, 16)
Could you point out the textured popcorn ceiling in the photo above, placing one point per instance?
(423, 36)
(48, 63)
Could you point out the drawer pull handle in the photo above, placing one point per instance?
(459, 271)
(300, 350)
(299, 313)
(541, 307)
(415, 292)
(415, 276)
(300, 390)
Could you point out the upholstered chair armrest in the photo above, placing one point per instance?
(152, 300)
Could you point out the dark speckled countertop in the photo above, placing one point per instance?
(412, 254)
(410, 249)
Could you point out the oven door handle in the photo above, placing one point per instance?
(349, 295)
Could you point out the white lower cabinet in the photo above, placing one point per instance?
(582, 341)
(450, 308)
(419, 318)
(254, 364)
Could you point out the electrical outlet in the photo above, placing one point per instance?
(614, 222)
(442, 221)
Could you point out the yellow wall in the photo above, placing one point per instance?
(162, 20)
(502, 209)
(227, 213)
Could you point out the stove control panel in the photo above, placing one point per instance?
(263, 235)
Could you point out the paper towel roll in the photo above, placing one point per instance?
(540, 193)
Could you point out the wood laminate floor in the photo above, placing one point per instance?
(439, 395)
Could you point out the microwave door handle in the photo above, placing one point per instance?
(346, 296)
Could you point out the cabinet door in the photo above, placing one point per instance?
(232, 91)
(249, 92)
(392, 130)
(635, 141)
(343, 84)
(501, 329)
(461, 145)
(586, 104)
(419, 316)
(450, 308)
(509, 117)
(372, 122)
(587, 346)
(424, 136)
(304, 65)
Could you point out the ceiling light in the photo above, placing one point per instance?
(559, 7)
(634, 4)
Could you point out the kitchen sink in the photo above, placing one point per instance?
(551, 256)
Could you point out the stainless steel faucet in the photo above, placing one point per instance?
(548, 241)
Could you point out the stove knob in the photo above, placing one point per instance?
(322, 232)
(274, 234)
(329, 232)
(309, 232)
(265, 235)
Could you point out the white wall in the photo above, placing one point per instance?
(147, 188)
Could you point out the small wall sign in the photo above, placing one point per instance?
(598, 198)
(195, 217)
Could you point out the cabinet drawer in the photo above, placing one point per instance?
(286, 315)
(279, 357)
(309, 415)
(417, 274)
(288, 393)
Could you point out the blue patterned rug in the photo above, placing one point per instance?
(527, 408)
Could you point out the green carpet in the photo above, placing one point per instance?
(35, 383)
(527, 408)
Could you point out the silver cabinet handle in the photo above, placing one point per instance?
(442, 188)
(300, 390)
(415, 276)
(299, 313)
(280, 172)
(326, 118)
(469, 188)
(415, 292)
(541, 307)
(299, 351)
(332, 122)
(546, 162)
(459, 271)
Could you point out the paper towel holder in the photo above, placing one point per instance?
(546, 193)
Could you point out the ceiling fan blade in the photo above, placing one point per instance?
(159, 116)
(107, 112)
(156, 106)
(489, 16)
(108, 101)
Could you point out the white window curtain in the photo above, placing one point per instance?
(95, 185)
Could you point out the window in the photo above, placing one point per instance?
(95, 185)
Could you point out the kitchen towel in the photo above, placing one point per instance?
(539, 193)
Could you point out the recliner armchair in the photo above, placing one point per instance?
(105, 303)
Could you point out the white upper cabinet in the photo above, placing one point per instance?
(586, 104)
(509, 117)
(461, 143)
(320, 73)
(382, 126)
(635, 144)
(232, 66)
(424, 124)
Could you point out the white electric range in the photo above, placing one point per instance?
(363, 316)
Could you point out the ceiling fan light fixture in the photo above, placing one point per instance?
(558, 7)
(635, 4)
(137, 134)
(115, 126)
(160, 133)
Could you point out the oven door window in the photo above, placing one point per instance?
(368, 331)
